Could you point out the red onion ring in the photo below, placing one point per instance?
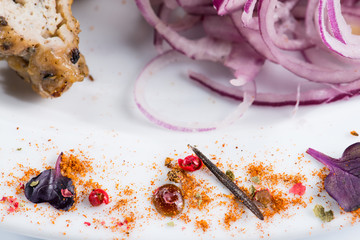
(160, 62)
(311, 38)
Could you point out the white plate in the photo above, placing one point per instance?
(101, 119)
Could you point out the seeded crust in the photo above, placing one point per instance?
(39, 40)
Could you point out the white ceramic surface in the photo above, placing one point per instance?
(101, 119)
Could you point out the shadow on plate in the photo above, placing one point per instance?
(15, 87)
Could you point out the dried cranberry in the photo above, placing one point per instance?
(190, 163)
(98, 196)
(168, 200)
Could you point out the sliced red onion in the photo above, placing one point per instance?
(223, 26)
(164, 13)
(193, 3)
(280, 38)
(247, 15)
(160, 62)
(202, 49)
(311, 38)
(349, 2)
(298, 98)
(343, 42)
(326, 94)
(245, 63)
(171, 4)
(351, 10)
(224, 7)
(182, 24)
(332, 14)
(296, 64)
(253, 37)
(187, 22)
(200, 7)
(324, 57)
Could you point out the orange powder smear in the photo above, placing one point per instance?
(234, 213)
(280, 201)
(355, 216)
(321, 174)
(202, 224)
(29, 173)
(119, 206)
(194, 192)
(18, 182)
(127, 198)
(75, 166)
(266, 173)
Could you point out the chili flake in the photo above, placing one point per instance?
(354, 133)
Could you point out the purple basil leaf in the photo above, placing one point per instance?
(343, 181)
(47, 186)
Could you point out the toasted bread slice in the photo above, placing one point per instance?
(39, 40)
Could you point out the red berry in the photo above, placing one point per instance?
(98, 196)
(190, 163)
